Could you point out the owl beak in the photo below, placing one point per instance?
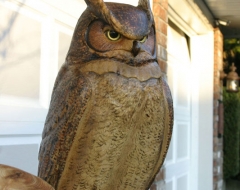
(136, 48)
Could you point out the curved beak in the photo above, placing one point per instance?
(136, 48)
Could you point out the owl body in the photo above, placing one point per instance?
(122, 136)
(110, 120)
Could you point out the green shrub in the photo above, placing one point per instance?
(231, 136)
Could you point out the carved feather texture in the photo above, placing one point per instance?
(68, 104)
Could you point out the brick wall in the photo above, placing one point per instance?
(161, 21)
(217, 132)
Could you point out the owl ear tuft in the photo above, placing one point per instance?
(145, 5)
(99, 7)
(94, 3)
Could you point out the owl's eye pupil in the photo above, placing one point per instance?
(113, 35)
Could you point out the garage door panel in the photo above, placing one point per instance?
(178, 158)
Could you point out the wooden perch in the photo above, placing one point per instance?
(13, 178)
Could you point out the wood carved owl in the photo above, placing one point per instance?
(110, 119)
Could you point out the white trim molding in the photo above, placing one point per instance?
(188, 17)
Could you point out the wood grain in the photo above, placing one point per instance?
(15, 179)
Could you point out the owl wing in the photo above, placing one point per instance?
(169, 121)
(68, 103)
(167, 129)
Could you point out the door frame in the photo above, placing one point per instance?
(201, 38)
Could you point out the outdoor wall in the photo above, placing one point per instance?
(160, 12)
(218, 113)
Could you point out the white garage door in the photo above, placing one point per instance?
(33, 44)
(178, 159)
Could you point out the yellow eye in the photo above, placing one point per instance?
(113, 35)
(143, 39)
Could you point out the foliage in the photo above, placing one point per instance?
(231, 54)
(231, 137)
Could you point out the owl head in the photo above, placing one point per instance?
(113, 34)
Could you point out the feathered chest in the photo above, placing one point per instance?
(125, 102)
(118, 141)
